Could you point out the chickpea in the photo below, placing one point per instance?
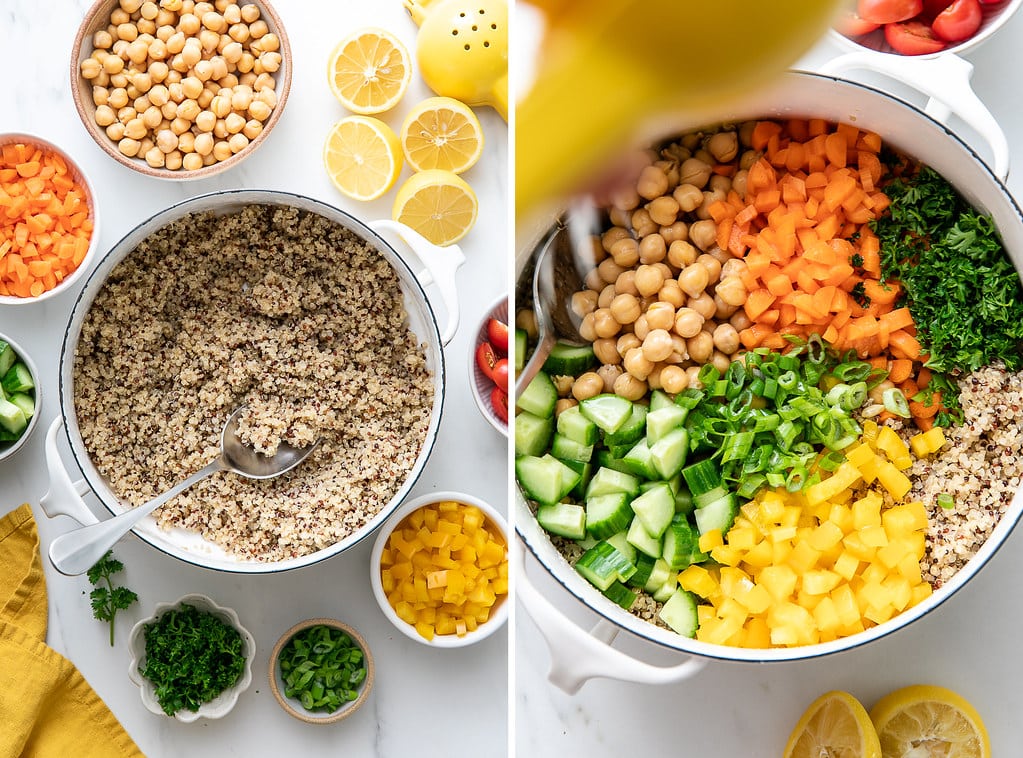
(693, 376)
(703, 304)
(703, 233)
(105, 115)
(618, 216)
(203, 144)
(720, 361)
(249, 13)
(588, 385)
(167, 141)
(625, 252)
(688, 323)
(637, 364)
(159, 71)
(563, 405)
(740, 320)
(563, 385)
(625, 284)
(112, 64)
(640, 327)
(713, 266)
(678, 231)
(238, 33)
(267, 96)
(606, 352)
(630, 387)
(258, 28)
(652, 182)
(654, 380)
(270, 62)
(192, 162)
(115, 131)
(740, 182)
(731, 290)
(709, 198)
(129, 147)
(652, 248)
(657, 346)
(610, 373)
(660, 315)
(673, 379)
(135, 129)
(696, 172)
(701, 347)
(723, 311)
(649, 279)
(641, 223)
(91, 68)
(127, 31)
(733, 267)
(724, 146)
(609, 270)
(625, 198)
(179, 125)
(625, 309)
(138, 51)
(663, 210)
(525, 319)
(726, 339)
(604, 324)
(720, 184)
(593, 280)
(605, 296)
(627, 342)
(586, 328)
(671, 293)
(186, 141)
(876, 395)
(681, 253)
(694, 279)
(152, 117)
(155, 157)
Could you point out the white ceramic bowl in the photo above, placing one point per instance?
(479, 383)
(222, 704)
(292, 705)
(10, 138)
(499, 613)
(8, 449)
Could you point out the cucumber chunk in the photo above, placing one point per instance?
(622, 546)
(666, 590)
(606, 460)
(609, 412)
(532, 433)
(644, 567)
(569, 450)
(608, 480)
(640, 539)
(545, 480)
(607, 514)
(679, 543)
(12, 418)
(702, 477)
(602, 565)
(7, 357)
(655, 509)
(521, 339)
(668, 454)
(718, 515)
(564, 519)
(574, 425)
(567, 359)
(17, 379)
(660, 574)
(585, 471)
(660, 399)
(664, 420)
(631, 431)
(638, 461)
(620, 595)
(539, 397)
(679, 612)
(25, 402)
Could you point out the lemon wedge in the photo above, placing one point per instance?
(836, 724)
(926, 720)
(441, 132)
(362, 156)
(369, 71)
(438, 204)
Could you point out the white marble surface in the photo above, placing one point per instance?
(425, 702)
(969, 644)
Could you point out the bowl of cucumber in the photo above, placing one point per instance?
(19, 397)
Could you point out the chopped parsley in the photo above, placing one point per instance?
(860, 296)
(856, 260)
(107, 599)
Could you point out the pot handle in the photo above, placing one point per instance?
(945, 79)
(64, 498)
(440, 265)
(578, 655)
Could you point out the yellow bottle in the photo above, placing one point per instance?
(608, 68)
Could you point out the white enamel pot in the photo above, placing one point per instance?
(437, 267)
(577, 654)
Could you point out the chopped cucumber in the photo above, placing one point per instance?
(679, 612)
(706, 498)
(644, 567)
(567, 359)
(718, 515)
(660, 574)
(660, 399)
(532, 433)
(607, 514)
(521, 339)
(602, 565)
(664, 420)
(684, 501)
(622, 545)
(666, 590)
(17, 379)
(25, 402)
(574, 425)
(570, 450)
(702, 477)
(12, 418)
(640, 539)
(585, 471)
(620, 595)
(607, 481)
(606, 460)
(564, 519)
(631, 431)
(7, 357)
(545, 480)
(668, 454)
(620, 451)
(638, 461)
(679, 543)
(539, 397)
(655, 509)
(609, 412)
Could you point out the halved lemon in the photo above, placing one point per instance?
(362, 156)
(836, 724)
(926, 720)
(438, 204)
(441, 132)
(369, 71)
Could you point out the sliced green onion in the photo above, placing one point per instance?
(737, 446)
(786, 433)
(895, 402)
(831, 460)
(708, 374)
(815, 349)
(945, 501)
(749, 485)
(796, 477)
(689, 398)
(775, 479)
(854, 371)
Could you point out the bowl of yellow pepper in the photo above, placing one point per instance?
(439, 569)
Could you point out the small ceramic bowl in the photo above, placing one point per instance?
(292, 705)
(79, 177)
(498, 614)
(97, 19)
(222, 704)
(480, 383)
(8, 449)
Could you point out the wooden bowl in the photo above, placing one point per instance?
(97, 18)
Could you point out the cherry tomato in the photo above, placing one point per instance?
(486, 359)
(499, 402)
(913, 38)
(959, 21)
(888, 11)
(500, 376)
(852, 25)
(932, 8)
(497, 333)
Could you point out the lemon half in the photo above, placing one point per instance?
(441, 132)
(438, 204)
(369, 71)
(362, 156)
(929, 718)
(836, 724)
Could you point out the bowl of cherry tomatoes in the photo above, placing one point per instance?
(922, 27)
(489, 368)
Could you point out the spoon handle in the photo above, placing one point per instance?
(75, 552)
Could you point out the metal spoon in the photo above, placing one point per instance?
(77, 551)
(555, 277)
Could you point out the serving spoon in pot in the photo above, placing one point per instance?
(75, 552)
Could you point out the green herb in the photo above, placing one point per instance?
(859, 294)
(191, 657)
(107, 600)
(322, 667)
(945, 501)
(856, 260)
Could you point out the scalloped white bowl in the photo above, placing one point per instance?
(222, 704)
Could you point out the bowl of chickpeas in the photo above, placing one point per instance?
(179, 89)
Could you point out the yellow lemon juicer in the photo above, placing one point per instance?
(608, 68)
(462, 49)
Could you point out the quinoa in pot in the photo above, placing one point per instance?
(277, 309)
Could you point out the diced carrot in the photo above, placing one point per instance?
(762, 133)
(923, 377)
(901, 369)
(924, 423)
(900, 318)
(757, 302)
(904, 345)
(835, 149)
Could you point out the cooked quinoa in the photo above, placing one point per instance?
(277, 309)
(980, 467)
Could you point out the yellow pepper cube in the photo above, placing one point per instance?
(873, 536)
(846, 565)
(757, 600)
(790, 516)
(855, 545)
(405, 612)
(779, 581)
(772, 507)
(726, 555)
(780, 552)
(758, 634)
(867, 511)
(909, 567)
(870, 432)
(859, 455)
(825, 615)
(845, 605)
(878, 615)
(472, 518)
(697, 579)
(920, 593)
(803, 557)
(874, 573)
(891, 444)
(387, 582)
(437, 579)
(900, 591)
(759, 555)
(710, 540)
(782, 533)
(893, 480)
(820, 582)
(791, 624)
(825, 536)
(741, 538)
(905, 518)
(890, 555)
(425, 630)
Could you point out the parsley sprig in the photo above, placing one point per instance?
(108, 599)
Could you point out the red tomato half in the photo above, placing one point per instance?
(499, 402)
(959, 21)
(851, 25)
(932, 8)
(486, 359)
(888, 11)
(497, 333)
(500, 376)
(913, 38)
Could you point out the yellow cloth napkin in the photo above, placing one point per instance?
(47, 710)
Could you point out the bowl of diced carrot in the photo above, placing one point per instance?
(48, 220)
(439, 569)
